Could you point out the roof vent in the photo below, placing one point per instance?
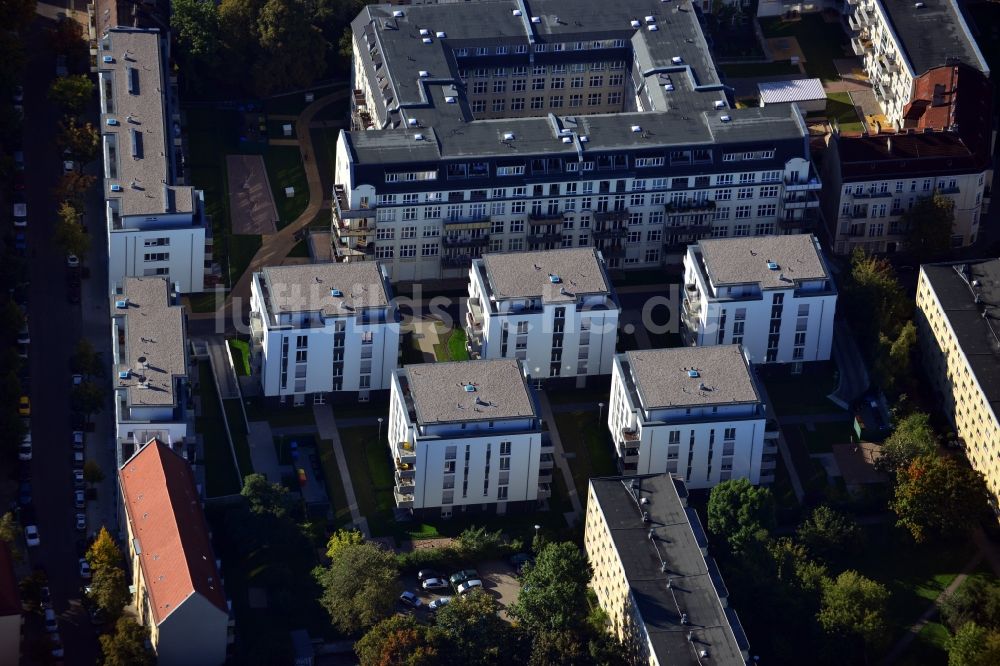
(635, 24)
(108, 59)
(693, 374)
(554, 279)
(567, 139)
(772, 265)
(424, 32)
(115, 187)
(424, 73)
(644, 500)
(412, 122)
(584, 139)
(508, 136)
(645, 516)
(652, 27)
(684, 618)
(650, 19)
(720, 104)
(450, 100)
(418, 137)
(469, 388)
(397, 13)
(636, 128)
(669, 87)
(427, 40)
(336, 293)
(677, 60)
(536, 19)
(516, 12)
(112, 122)
(124, 374)
(918, 5)
(122, 304)
(440, 35)
(726, 118)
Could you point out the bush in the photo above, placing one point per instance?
(472, 545)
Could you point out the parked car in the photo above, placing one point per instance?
(45, 596)
(51, 621)
(469, 585)
(72, 261)
(57, 646)
(462, 576)
(69, 165)
(435, 584)
(519, 560)
(18, 95)
(410, 599)
(424, 574)
(79, 499)
(78, 440)
(20, 215)
(61, 69)
(78, 481)
(31, 535)
(24, 450)
(78, 460)
(24, 406)
(19, 160)
(20, 243)
(440, 602)
(24, 335)
(81, 522)
(84, 569)
(24, 493)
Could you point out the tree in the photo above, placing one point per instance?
(292, 49)
(86, 360)
(341, 539)
(127, 645)
(69, 233)
(73, 186)
(10, 533)
(81, 140)
(92, 472)
(976, 600)
(554, 589)
(912, 437)
(974, 645)
(935, 496)
(738, 512)
(829, 534)
(929, 222)
(109, 589)
(558, 648)
(473, 630)
(359, 587)
(72, 93)
(104, 552)
(855, 606)
(476, 543)
(874, 300)
(264, 497)
(399, 640)
(893, 360)
(195, 26)
(88, 397)
(16, 14)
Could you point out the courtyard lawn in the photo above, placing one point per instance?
(452, 346)
(824, 435)
(300, 249)
(240, 349)
(588, 445)
(821, 42)
(801, 394)
(221, 475)
(839, 107)
(928, 648)
(285, 169)
(208, 301)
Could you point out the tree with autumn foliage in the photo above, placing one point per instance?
(81, 139)
(937, 496)
(73, 186)
(400, 640)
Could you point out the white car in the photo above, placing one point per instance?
(78, 481)
(79, 499)
(435, 584)
(18, 96)
(31, 535)
(51, 621)
(20, 215)
(24, 450)
(24, 335)
(69, 165)
(84, 569)
(440, 602)
(72, 261)
(77, 379)
(78, 440)
(469, 585)
(81, 522)
(78, 460)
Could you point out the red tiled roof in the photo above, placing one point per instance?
(10, 599)
(164, 510)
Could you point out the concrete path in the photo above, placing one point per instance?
(903, 643)
(783, 448)
(560, 457)
(225, 376)
(262, 453)
(854, 378)
(326, 425)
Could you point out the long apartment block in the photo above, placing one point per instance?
(156, 225)
(960, 348)
(555, 310)
(695, 412)
(508, 125)
(467, 437)
(774, 295)
(149, 344)
(899, 40)
(323, 330)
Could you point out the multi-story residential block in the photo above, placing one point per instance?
(178, 592)
(664, 595)
(555, 310)
(466, 436)
(959, 341)
(947, 148)
(495, 126)
(774, 295)
(150, 350)
(899, 40)
(155, 224)
(691, 411)
(322, 329)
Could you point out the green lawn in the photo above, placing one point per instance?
(334, 484)
(221, 476)
(208, 301)
(240, 349)
(928, 648)
(582, 435)
(452, 347)
(291, 104)
(741, 70)
(820, 41)
(825, 435)
(300, 249)
(371, 473)
(802, 394)
(275, 129)
(285, 169)
(839, 107)
(284, 416)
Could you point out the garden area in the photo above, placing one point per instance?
(285, 169)
(588, 447)
(240, 349)
(801, 394)
(452, 347)
(221, 475)
(821, 41)
(840, 108)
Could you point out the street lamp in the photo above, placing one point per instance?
(600, 413)
(537, 527)
(380, 429)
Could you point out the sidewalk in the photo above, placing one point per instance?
(326, 424)
(262, 453)
(560, 457)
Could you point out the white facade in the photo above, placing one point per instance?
(309, 341)
(475, 462)
(780, 309)
(704, 439)
(555, 332)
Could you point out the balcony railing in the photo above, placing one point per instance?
(686, 206)
(456, 261)
(604, 217)
(465, 241)
(545, 218)
(798, 200)
(550, 237)
(403, 500)
(630, 435)
(601, 234)
(342, 210)
(467, 222)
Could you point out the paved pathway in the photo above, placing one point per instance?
(327, 427)
(265, 459)
(225, 376)
(903, 643)
(854, 378)
(560, 458)
(783, 448)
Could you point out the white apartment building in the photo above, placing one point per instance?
(156, 224)
(899, 40)
(691, 411)
(773, 294)
(149, 345)
(466, 436)
(320, 329)
(548, 127)
(555, 310)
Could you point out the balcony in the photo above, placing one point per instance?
(609, 217)
(458, 261)
(403, 500)
(467, 223)
(861, 45)
(807, 221)
(810, 183)
(404, 486)
(543, 238)
(342, 210)
(465, 240)
(605, 233)
(544, 491)
(688, 206)
(949, 190)
(615, 250)
(630, 434)
(693, 228)
(800, 200)
(544, 218)
(546, 461)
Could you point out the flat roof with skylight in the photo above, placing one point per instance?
(691, 376)
(553, 275)
(482, 390)
(772, 262)
(332, 289)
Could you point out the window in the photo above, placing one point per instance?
(724, 195)
(744, 193)
(576, 82)
(576, 100)
(742, 212)
(499, 105)
(429, 249)
(596, 81)
(518, 85)
(769, 192)
(479, 88)
(767, 210)
(156, 256)
(556, 103)
(557, 83)
(538, 84)
(614, 98)
(407, 251)
(156, 242)
(500, 86)
(383, 252)
(517, 105)
(537, 102)
(594, 99)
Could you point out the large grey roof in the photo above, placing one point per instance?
(147, 186)
(578, 271)
(674, 554)
(933, 34)
(440, 396)
(661, 376)
(309, 288)
(154, 353)
(744, 260)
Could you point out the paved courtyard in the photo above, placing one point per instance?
(251, 203)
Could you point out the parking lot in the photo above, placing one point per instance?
(498, 579)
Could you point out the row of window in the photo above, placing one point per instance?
(482, 86)
(862, 189)
(540, 47)
(538, 103)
